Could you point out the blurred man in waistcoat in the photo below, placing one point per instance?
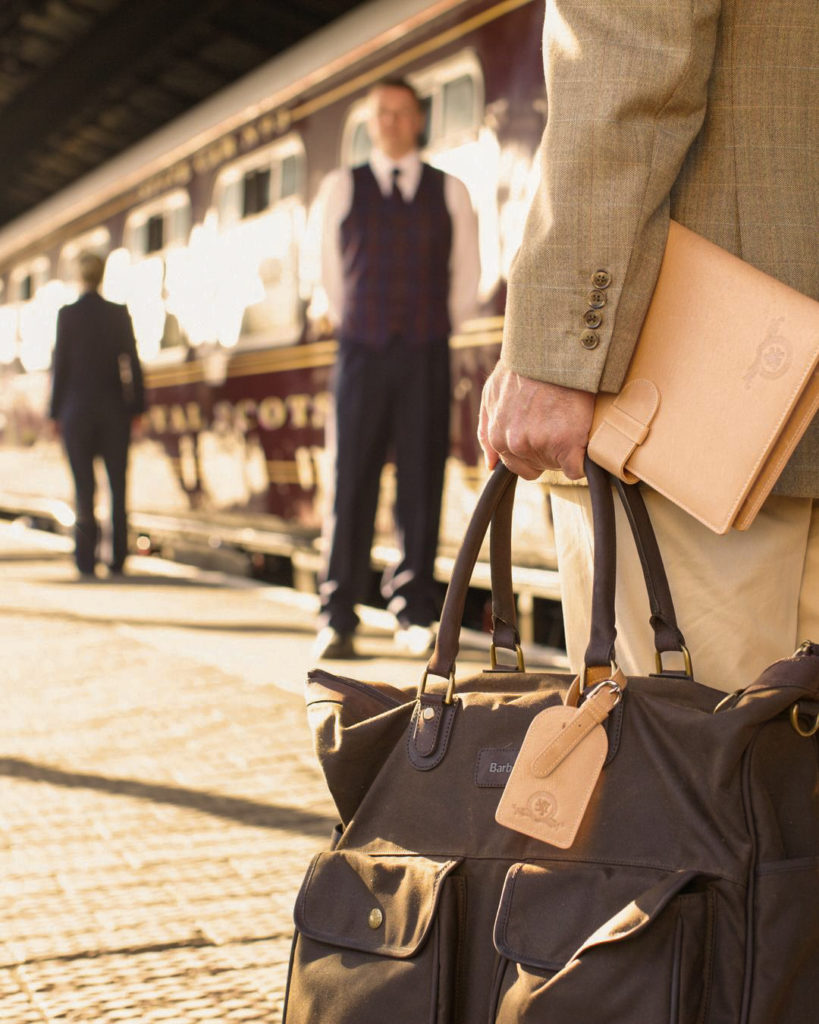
(400, 265)
(97, 390)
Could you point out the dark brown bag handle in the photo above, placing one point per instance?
(495, 506)
(667, 635)
(499, 486)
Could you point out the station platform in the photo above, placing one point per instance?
(159, 797)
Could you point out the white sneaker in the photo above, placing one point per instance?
(416, 640)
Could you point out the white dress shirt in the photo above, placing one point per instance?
(464, 258)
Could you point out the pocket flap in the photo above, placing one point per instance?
(549, 915)
(382, 904)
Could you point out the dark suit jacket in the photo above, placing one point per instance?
(92, 334)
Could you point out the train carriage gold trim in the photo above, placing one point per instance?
(481, 333)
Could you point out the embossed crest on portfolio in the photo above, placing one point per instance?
(557, 769)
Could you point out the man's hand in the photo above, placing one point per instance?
(532, 426)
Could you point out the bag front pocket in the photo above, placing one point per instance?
(376, 940)
(597, 943)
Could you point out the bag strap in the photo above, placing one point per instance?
(663, 620)
(504, 614)
(494, 507)
(500, 484)
(667, 635)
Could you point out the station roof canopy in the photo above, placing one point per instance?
(82, 80)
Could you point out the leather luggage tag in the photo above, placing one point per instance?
(557, 769)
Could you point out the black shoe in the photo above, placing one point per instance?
(331, 644)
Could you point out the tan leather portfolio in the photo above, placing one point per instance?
(722, 385)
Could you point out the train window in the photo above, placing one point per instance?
(454, 90)
(256, 191)
(154, 233)
(145, 273)
(458, 100)
(290, 177)
(159, 225)
(30, 322)
(256, 183)
(28, 278)
(249, 246)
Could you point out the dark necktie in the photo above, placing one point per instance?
(396, 191)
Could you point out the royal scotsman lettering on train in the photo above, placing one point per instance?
(209, 227)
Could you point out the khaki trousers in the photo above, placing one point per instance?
(743, 599)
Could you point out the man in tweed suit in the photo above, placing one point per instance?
(704, 111)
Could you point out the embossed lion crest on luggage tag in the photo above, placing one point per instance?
(558, 767)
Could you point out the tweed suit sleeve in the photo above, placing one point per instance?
(626, 86)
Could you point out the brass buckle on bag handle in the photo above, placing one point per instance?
(807, 733)
(493, 658)
(450, 690)
(658, 660)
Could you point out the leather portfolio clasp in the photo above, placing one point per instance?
(625, 426)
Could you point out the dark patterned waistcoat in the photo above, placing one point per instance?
(395, 258)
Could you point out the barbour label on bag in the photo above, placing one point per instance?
(494, 766)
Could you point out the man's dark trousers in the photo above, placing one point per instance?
(88, 433)
(388, 401)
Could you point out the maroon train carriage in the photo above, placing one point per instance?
(209, 227)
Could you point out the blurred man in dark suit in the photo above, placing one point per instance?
(97, 390)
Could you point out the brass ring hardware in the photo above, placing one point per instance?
(658, 660)
(493, 657)
(812, 731)
(450, 690)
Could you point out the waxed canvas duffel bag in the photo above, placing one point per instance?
(688, 891)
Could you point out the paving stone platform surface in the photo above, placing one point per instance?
(159, 796)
